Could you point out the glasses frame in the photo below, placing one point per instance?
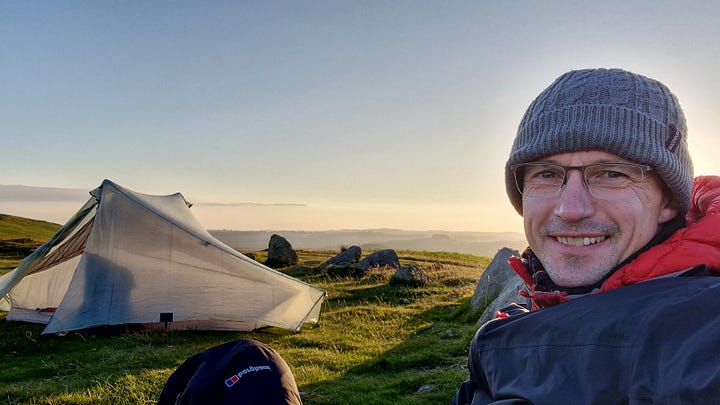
(519, 182)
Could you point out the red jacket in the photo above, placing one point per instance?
(696, 244)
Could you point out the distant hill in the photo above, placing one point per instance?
(20, 236)
(12, 227)
(476, 243)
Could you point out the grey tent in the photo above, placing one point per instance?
(127, 257)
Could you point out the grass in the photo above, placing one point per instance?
(377, 343)
(12, 227)
(19, 237)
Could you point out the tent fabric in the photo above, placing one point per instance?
(128, 257)
(41, 259)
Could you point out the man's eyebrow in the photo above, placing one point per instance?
(601, 161)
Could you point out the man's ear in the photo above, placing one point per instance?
(668, 209)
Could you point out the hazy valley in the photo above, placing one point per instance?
(476, 243)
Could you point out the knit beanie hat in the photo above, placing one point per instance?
(610, 110)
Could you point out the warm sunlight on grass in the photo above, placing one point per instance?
(376, 344)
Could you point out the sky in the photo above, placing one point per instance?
(316, 115)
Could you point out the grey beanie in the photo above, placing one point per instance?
(611, 110)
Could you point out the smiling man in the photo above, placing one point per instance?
(625, 134)
(601, 174)
(582, 223)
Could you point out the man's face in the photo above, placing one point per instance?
(580, 238)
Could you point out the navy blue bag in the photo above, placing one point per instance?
(237, 372)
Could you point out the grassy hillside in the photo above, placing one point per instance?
(21, 236)
(12, 227)
(377, 344)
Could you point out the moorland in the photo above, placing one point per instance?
(377, 342)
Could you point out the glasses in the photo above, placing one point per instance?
(605, 181)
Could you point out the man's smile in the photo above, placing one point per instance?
(580, 241)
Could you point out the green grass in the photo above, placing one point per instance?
(12, 227)
(376, 344)
(19, 237)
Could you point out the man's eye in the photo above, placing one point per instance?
(610, 174)
(614, 174)
(548, 174)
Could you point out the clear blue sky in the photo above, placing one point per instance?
(318, 114)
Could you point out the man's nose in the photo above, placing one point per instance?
(574, 202)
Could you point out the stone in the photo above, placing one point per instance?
(409, 275)
(498, 287)
(494, 279)
(344, 271)
(345, 258)
(448, 333)
(506, 297)
(381, 258)
(280, 252)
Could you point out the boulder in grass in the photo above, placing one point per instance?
(494, 279)
(381, 258)
(510, 294)
(280, 253)
(350, 270)
(410, 275)
(498, 287)
(346, 258)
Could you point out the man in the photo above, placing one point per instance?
(601, 174)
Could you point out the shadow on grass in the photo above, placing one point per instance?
(90, 368)
(425, 362)
(426, 368)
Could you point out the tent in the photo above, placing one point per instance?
(132, 258)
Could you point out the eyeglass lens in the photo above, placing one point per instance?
(604, 180)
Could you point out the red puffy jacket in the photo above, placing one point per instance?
(697, 243)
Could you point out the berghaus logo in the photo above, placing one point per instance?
(252, 369)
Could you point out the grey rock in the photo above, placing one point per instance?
(345, 258)
(382, 258)
(494, 279)
(506, 297)
(350, 270)
(280, 252)
(448, 333)
(410, 275)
